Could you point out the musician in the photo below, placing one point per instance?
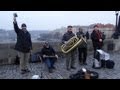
(23, 45)
(82, 50)
(87, 35)
(49, 56)
(70, 57)
(97, 39)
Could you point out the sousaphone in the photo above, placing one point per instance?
(73, 43)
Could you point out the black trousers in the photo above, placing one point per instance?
(96, 45)
(82, 54)
(95, 52)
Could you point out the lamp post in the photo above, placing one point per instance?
(116, 13)
(115, 34)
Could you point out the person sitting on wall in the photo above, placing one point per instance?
(49, 56)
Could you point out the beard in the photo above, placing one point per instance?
(70, 32)
(23, 29)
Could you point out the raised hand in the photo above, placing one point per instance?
(14, 17)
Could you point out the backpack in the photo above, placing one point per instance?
(17, 60)
(110, 64)
(34, 58)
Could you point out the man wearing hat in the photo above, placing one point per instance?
(23, 45)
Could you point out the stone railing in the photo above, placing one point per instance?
(7, 52)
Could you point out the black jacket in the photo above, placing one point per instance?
(24, 43)
(79, 34)
(67, 36)
(48, 51)
(87, 35)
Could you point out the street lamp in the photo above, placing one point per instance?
(115, 34)
(116, 13)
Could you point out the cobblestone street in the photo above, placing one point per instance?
(12, 71)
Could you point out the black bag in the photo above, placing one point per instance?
(81, 75)
(17, 60)
(34, 58)
(110, 64)
(78, 75)
(103, 63)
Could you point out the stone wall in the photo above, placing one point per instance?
(7, 52)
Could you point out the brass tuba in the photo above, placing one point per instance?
(73, 43)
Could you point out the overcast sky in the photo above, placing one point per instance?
(50, 20)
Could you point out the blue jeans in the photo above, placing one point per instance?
(49, 62)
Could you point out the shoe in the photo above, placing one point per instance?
(27, 70)
(85, 63)
(53, 67)
(73, 67)
(23, 71)
(50, 71)
(81, 63)
(68, 69)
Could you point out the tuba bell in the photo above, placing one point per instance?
(73, 43)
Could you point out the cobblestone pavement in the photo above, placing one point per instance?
(12, 71)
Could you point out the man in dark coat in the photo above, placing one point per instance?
(70, 57)
(87, 35)
(23, 45)
(97, 40)
(82, 50)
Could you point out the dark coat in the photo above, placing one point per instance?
(95, 40)
(87, 35)
(79, 34)
(67, 36)
(48, 51)
(24, 43)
